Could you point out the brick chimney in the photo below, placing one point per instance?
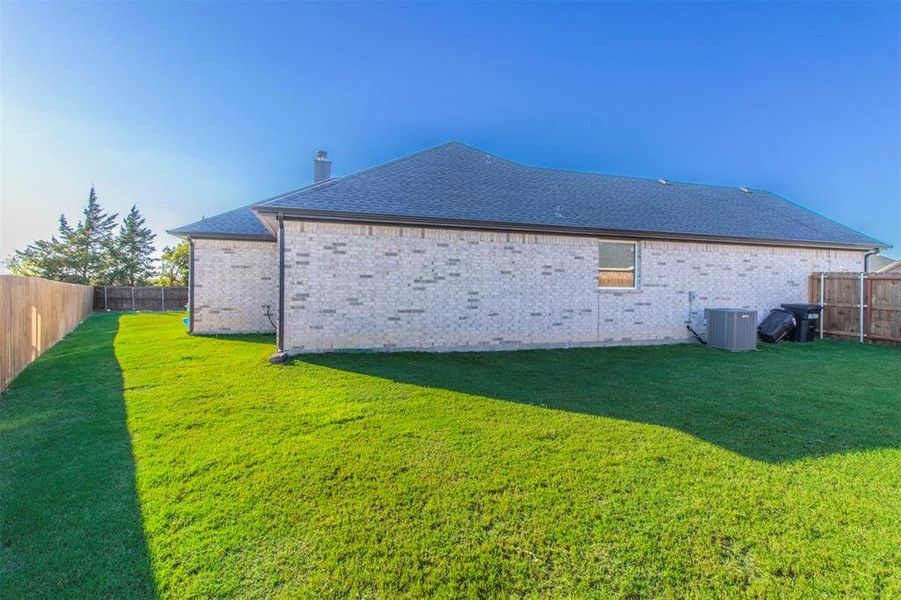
(322, 167)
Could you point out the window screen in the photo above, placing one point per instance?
(617, 264)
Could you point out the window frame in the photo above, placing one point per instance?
(636, 258)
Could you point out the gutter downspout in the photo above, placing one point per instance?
(866, 269)
(866, 259)
(191, 285)
(280, 356)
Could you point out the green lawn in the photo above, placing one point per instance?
(137, 461)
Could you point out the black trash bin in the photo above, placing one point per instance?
(808, 316)
(778, 324)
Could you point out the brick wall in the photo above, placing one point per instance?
(233, 282)
(360, 286)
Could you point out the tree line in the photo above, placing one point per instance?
(99, 250)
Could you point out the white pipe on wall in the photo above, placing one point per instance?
(860, 292)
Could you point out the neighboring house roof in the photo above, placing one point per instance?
(454, 184)
(239, 223)
(884, 264)
(877, 261)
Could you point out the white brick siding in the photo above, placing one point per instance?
(233, 282)
(378, 287)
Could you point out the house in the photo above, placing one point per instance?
(883, 264)
(454, 248)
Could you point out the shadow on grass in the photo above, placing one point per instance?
(71, 521)
(779, 404)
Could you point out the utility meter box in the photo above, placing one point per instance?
(733, 329)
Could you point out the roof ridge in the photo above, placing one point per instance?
(648, 179)
(599, 174)
(334, 180)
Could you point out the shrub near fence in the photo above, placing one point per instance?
(35, 314)
(151, 298)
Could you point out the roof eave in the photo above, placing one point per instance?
(220, 236)
(381, 219)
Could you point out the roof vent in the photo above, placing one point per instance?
(744, 189)
(663, 182)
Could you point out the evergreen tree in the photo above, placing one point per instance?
(63, 253)
(174, 265)
(45, 258)
(40, 259)
(133, 263)
(90, 245)
(64, 229)
(83, 254)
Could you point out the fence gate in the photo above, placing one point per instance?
(865, 306)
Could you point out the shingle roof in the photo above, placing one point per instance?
(880, 261)
(241, 222)
(455, 182)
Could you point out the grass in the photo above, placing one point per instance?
(138, 462)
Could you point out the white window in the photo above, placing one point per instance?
(618, 265)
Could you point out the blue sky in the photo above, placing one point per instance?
(193, 109)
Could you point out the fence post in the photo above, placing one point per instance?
(133, 308)
(105, 302)
(822, 302)
(868, 308)
(163, 298)
(860, 314)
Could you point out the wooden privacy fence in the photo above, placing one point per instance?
(866, 306)
(34, 315)
(158, 298)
